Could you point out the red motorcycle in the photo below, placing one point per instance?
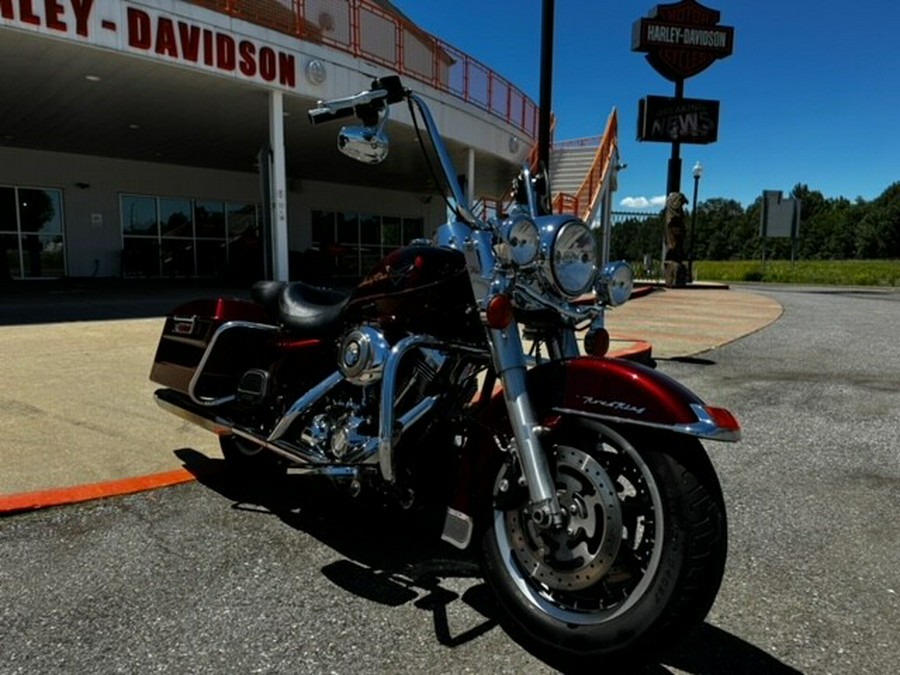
(578, 480)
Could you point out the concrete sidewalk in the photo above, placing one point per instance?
(77, 417)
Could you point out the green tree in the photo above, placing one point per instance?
(633, 238)
(719, 229)
(830, 229)
(878, 233)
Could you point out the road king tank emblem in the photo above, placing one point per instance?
(399, 275)
(396, 276)
(618, 406)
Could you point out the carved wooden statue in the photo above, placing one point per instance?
(675, 236)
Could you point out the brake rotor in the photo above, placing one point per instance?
(580, 554)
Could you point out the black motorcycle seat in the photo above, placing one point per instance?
(266, 293)
(311, 309)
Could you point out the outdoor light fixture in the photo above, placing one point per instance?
(696, 172)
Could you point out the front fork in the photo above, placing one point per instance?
(509, 363)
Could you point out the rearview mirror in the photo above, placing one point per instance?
(364, 144)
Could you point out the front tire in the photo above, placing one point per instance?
(640, 560)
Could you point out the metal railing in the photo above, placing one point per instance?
(582, 201)
(587, 142)
(367, 30)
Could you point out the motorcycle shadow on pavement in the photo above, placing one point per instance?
(394, 557)
(391, 556)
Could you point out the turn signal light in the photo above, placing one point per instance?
(724, 418)
(499, 312)
(596, 342)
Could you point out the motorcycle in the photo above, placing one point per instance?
(578, 480)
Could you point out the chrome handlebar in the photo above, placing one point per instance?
(447, 165)
(327, 111)
(368, 104)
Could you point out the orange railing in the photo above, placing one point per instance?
(497, 207)
(586, 142)
(582, 201)
(367, 30)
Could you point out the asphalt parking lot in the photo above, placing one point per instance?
(214, 576)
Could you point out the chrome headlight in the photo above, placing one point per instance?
(521, 241)
(573, 259)
(615, 282)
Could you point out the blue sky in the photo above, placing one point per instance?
(810, 95)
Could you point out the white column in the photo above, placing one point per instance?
(278, 198)
(470, 179)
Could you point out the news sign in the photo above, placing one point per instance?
(678, 120)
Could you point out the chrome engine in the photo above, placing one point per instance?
(344, 425)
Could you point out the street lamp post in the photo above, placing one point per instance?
(697, 171)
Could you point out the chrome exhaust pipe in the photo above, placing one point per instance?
(302, 455)
(176, 403)
(170, 401)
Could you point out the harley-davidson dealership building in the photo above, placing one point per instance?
(169, 138)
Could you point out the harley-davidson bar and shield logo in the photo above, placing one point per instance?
(682, 39)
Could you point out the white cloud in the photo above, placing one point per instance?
(643, 202)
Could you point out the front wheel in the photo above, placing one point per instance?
(641, 556)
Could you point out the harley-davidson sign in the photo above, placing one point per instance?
(682, 39)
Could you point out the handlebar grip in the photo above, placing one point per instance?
(321, 115)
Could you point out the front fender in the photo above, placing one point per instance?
(614, 391)
(624, 392)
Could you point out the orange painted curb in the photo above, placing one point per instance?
(30, 501)
(641, 351)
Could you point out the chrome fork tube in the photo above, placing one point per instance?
(509, 361)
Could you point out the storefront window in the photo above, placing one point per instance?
(241, 218)
(245, 247)
(31, 233)
(350, 244)
(391, 232)
(322, 227)
(210, 219)
(139, 216)
(10, 258)
(370, 242)
(348, 228)
(175, 218)
(140, 257)
(413, 228)
(181, 237)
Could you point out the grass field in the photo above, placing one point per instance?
(828, 272)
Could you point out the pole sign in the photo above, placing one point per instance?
(678, 120)
(682, 39)
(779, 217)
